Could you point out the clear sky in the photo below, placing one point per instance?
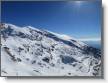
(79, 19)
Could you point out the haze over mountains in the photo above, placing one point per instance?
(28, 51)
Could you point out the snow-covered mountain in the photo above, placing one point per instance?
(28, 51)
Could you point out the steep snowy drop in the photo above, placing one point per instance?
(28, 51)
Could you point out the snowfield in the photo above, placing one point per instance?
(27, 51)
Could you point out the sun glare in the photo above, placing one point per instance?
(78, 3)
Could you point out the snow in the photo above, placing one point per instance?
(62, 36)
(29, 54)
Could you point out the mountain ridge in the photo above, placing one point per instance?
(45, 53)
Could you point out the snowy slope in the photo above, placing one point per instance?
(27, 51)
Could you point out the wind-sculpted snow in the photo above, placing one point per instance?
(27, 51)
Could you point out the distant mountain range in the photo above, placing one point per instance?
(28, 51)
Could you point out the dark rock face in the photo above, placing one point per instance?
(6, 32)
(46, 59)
(67, 59)
(95, 52)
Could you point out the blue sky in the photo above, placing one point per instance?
(79, 19)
